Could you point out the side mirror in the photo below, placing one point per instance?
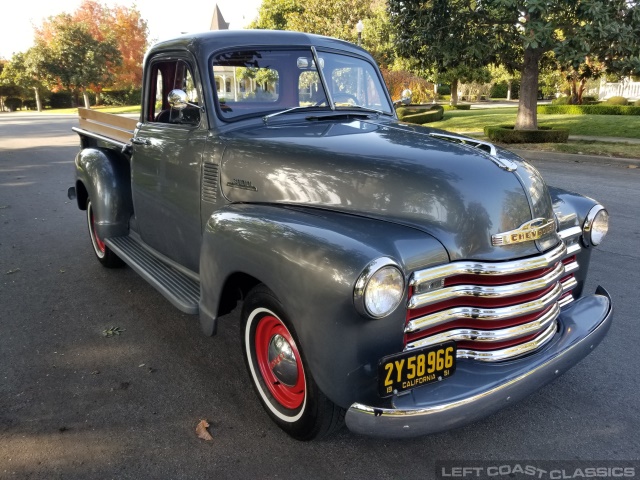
(178, 99)
(405, 98)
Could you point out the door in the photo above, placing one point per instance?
(166, 163)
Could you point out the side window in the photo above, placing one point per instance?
(168, 75)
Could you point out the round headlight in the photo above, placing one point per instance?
(596, 225)
(380, 288)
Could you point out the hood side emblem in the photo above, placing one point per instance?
(532, 230)
(243, 184)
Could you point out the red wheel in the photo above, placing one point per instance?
(276, 364)
(279, 360)
(104, 254)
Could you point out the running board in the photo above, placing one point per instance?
(177, 287)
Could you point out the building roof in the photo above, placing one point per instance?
(217, 20)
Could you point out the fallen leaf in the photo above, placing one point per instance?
(13, 271)
(633, 166)
(110, 332)
(2, 207)
(202, 432)
(62, 270)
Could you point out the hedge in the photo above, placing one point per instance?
(600, 109)
(506, 134)
(465, 106)
(419, 114)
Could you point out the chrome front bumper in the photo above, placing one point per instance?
(477, 389)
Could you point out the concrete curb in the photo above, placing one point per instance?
(536, 155)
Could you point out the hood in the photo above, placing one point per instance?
(394, 172)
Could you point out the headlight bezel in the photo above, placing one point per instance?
(364, 280)
(594, 217)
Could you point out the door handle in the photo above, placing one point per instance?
(140, 141)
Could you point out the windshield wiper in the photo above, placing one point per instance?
(266, 118)
(364, 109)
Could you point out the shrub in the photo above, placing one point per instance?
(561, 101)
(506, 134)
(499, 90)
(13, 103)
(61, 100)
(418, 114)
(122, 97)
(637, 103)
(444, 89)
(398, 80)
(617, 101)
(600, 109)
(464, 106)
(589, 100)
(29, 104)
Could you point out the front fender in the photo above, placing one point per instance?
(311, 259)
(106, 176)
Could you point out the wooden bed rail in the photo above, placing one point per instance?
(107, 124)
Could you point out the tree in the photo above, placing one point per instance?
(517, 33)
(332, 18)
(74, 58)
(447, 37)
(122, 25)
(24, 71)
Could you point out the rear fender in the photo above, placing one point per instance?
(311, 260)
(106, 177)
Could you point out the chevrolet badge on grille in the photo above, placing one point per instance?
(532, 230)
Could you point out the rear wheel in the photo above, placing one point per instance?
(104, 254)
(278, 370)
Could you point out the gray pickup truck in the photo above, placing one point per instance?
(398, 278)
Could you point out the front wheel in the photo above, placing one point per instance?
(276, 365)
(104, 254)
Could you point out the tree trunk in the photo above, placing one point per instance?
(581, 89)
(574, 92)
(509, 83)
(85, 96)
(527, 118)
(38, 99)
(454, 92)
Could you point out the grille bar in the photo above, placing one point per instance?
(512, 351)
(510, 333)
(508, 290)
(487, 314)
(482, 268)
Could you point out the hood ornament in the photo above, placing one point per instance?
(532, 230)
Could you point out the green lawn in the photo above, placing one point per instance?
(466, 121)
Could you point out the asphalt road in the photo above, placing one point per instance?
(75, 404)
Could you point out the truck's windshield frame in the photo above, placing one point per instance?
(260, 82)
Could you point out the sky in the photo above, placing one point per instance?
(16, 33)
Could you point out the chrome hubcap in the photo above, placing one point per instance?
(282, 361)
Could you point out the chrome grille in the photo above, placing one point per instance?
(494, 310)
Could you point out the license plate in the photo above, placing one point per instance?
(404, 371)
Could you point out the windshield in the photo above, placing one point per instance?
(261, 82)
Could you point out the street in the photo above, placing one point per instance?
(75, 403)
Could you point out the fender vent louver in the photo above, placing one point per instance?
(209, 182)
